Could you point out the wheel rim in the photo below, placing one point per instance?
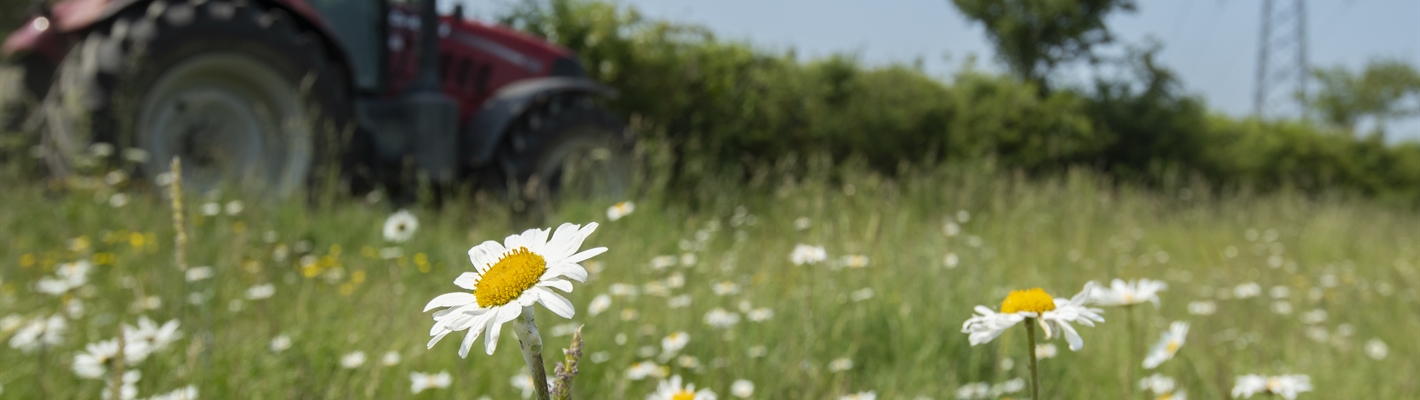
(231, 119)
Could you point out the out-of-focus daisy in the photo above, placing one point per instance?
(510, 276)
(619, 210)
(599, 304)
(66, 277)
(260, 292)
(802, 223)
(760, 314)
(678, 301)
(1158, 384)
(869, 395)
(1287, 386)
(118, 200)
(688, 362)
(757, 351)
(643, 369)
(855, 261)
(840, 364)
(390, 358)
(861, 294)
(806, 254)
(951, 260)
(1202, 308)
(671, 344)
(211, 209)
(1314, 317)
(524, 383)
(1247, 290)
(421, 381)
(129, 388)
(725, 288)
(188, 392)
(94, 361)
(662, 262)
(974, 391)
(720, 318)
(280, 343)
(742, 388)
(195, 274)
(234, 207)
(1008, 387)
(1376, 349)
(400, 226)
(150, 335)
(353, 359)
(40, 332)
(1045, 351)
(672, 389)
(1051, 314)
(1121, 293)
(1167, 346)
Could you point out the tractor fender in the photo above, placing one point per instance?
(490, 125)
(74, 16)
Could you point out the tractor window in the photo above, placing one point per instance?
(358, 26)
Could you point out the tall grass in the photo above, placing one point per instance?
(335, 294)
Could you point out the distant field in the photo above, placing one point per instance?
(935, 244)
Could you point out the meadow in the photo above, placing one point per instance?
(287, 292)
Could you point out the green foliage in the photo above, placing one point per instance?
(1380, 92)
(710, 106)
(1033, 37)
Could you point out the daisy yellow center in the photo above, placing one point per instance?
(515, 273)
(1033, 300)
(1172, 347)
(683, 395)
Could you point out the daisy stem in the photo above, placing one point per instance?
(531, 344)
(1030, 350)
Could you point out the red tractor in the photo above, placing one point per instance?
(266, 91)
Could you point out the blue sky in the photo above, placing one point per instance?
(1212, 44)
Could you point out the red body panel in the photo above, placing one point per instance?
(475, 59)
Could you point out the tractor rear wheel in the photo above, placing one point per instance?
(240, 91)
(569, 148)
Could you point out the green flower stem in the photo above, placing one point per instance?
(531, 344)
(1030, 351)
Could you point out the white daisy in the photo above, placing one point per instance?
(672, 390)
(40, 332)
(643, 369)
(508, 277)
(149, 335)
(390, 358)
(94, 361)
(806, 254)
(1158, 384)
(619, 210)
(260, 292)
(353, 359)
(1167, 346)
(742, 388)
(421, 381)
(1287, 386)
(840, 364)
(720, 318)
(673, 343)
(1376, 349)
(599, 304)
(1044, 351)
(1121, 293)
(280, 343)
(400, 226)
(1051, 313)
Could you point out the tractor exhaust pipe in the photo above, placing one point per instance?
(430, 114)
